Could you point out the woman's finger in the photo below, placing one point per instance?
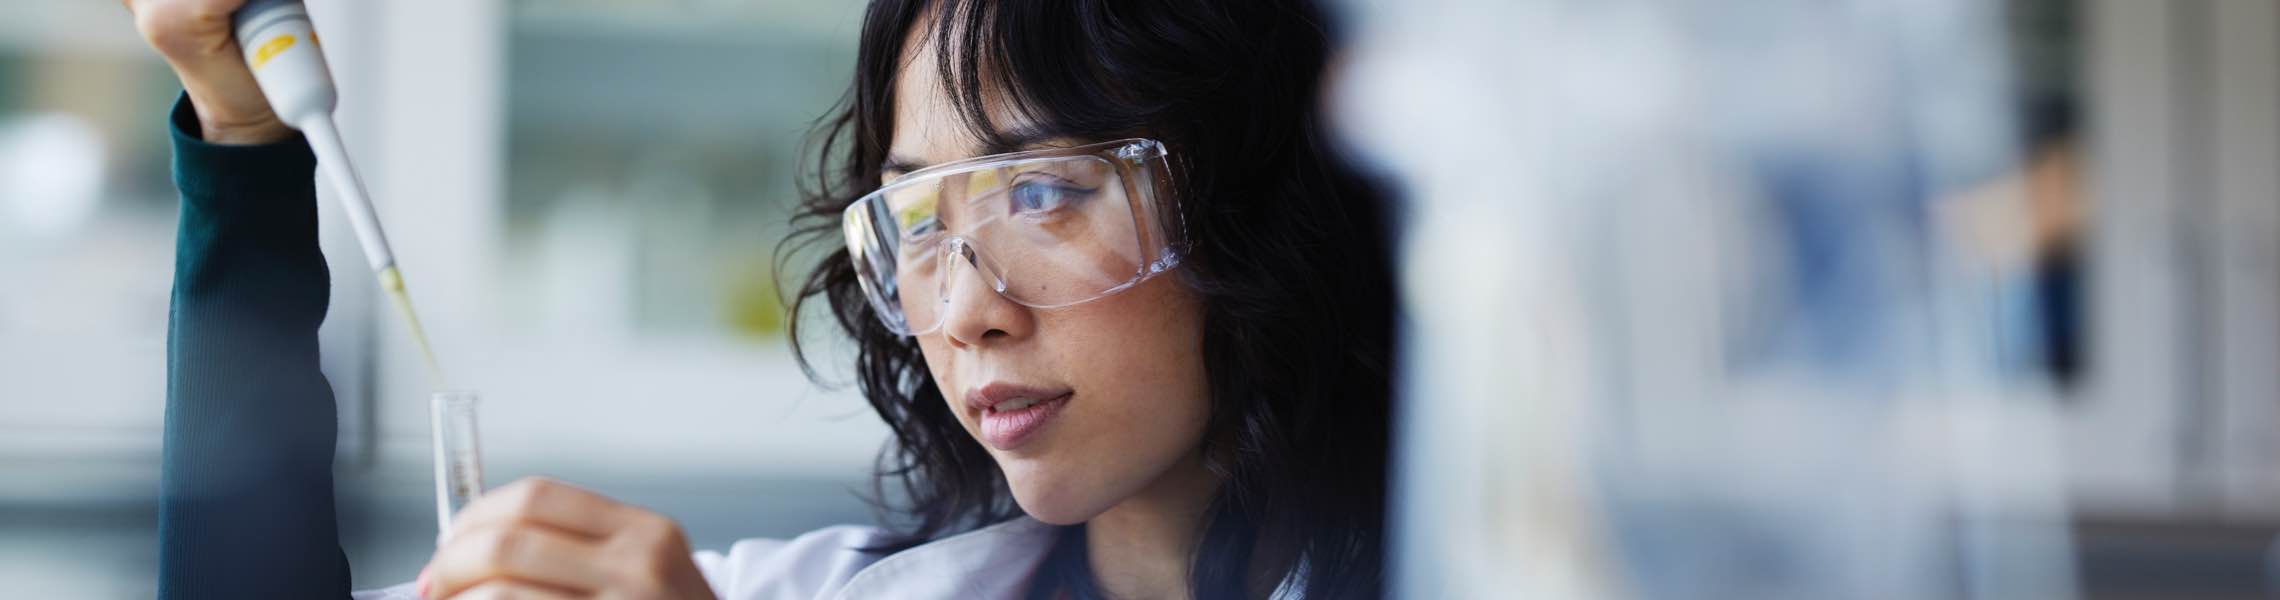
(508, 590)
(522, 552)
(546, 502)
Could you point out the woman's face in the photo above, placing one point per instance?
(1119, 380)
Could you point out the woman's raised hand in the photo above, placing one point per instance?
(538, 538)
(194, 37)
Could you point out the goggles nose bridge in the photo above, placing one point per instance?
(960, 249)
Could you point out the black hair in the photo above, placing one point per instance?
(1289, 250)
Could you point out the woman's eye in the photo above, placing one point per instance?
(1043, 196)
(922, 228)
(920, 237)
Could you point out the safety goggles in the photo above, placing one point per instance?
(1042, 228)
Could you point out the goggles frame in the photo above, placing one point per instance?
(1142, 168)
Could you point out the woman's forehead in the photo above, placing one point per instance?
(928, 128)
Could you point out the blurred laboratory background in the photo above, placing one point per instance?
(1861, 299)
(1871, 298)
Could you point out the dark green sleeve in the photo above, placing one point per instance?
(246, 498)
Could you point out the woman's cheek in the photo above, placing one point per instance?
(937, 354)
(1142, 406)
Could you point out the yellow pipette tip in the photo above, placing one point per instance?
(393, 283)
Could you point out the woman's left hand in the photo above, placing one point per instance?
(538, 538)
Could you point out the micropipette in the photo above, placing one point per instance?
(280, 46)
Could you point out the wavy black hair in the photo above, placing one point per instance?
(1289, 251)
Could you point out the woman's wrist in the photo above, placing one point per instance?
(241, 132)
(236, 130)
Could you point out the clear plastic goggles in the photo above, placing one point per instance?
(1043, 228)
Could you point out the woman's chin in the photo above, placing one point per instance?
(1056, 503)
(1051, 517)
(1057, 511)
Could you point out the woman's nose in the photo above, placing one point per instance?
(973, 311)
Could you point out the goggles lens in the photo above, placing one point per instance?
(1044, 228)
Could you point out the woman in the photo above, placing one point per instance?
(1127, 315)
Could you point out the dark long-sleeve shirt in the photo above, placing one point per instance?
(246, 503)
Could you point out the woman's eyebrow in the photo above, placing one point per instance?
(1015, 140)
(897, 164)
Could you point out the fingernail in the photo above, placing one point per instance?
(420, 584)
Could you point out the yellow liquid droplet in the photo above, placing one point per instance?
(393, 283)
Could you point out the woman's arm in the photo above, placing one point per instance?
(246, 500)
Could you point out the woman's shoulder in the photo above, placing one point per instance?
(832, 562)
(813, 565)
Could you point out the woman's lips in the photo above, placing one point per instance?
(1010, 422)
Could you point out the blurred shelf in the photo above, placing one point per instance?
(2130, 557)
(820, 21)
(71, 26)
(716, 87)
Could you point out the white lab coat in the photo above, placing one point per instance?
(992, 562)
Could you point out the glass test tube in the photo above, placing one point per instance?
(458, 458)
